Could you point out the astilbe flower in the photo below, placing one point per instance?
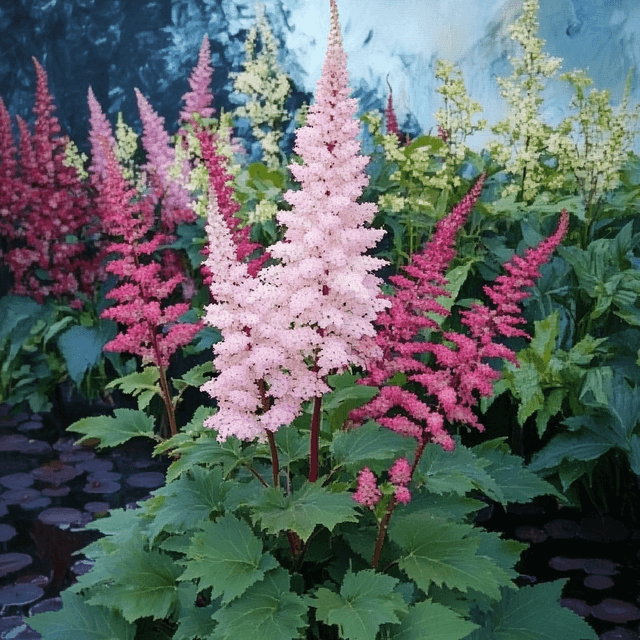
(390, 118)
(48, 203)
(367, 494)
(294, 323)
(199, 99)
(219, 180)
(161, 157)
(152, 328)
(458, 372)
(9, 181)
(99, 127)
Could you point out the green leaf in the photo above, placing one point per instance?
(180, 505)
(533, 613)
(79, 621)
(193, 621)
(339, 403)
(226, 556)
(371, 441)
(552, 406)
(143, 384)
(634, 454)
(113, 431)
(457, 471)
(440, 552)
(569, 446)
(431, 620)
(81, 348)
(144, 582)
(266, 611)
(56, 327)
(517, 483)
(291, 445)
(302, 510)
(206, 450)
(196, 377)
(14, 310)
(366, 601)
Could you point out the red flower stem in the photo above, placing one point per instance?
(315, 439)
(275, 463)
(384, 524)
(164, 385)
(274, 457)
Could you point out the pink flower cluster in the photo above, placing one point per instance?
(457, 372)
(153, 331)
(368, 494)
(298, 321)
(43, 203)
(219, 180)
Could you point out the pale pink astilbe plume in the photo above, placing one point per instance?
(152, 330)
(367, 494)
(99, 127)
(219, 180)
(161, 157)
(322, 253)
(258, 345)
(199, 99)
(299, 320)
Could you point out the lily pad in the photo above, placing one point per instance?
(10, 562)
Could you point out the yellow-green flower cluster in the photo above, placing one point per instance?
(417, 170)
(525, 135)
(126, 147)
(593, 143)
(455, 117)
(264, 211)
(267, 87)
(73, 158)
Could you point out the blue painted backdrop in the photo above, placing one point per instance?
(116, 45)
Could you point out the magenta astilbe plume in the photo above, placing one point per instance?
(367, 493)
(458, 374)
(49, 203)
(219, 180)
(391, 119)
(416, 296)
(199, 99)
(152, 329)
(506, 293)
(9, 181)
(172, 192)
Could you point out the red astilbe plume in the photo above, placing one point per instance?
(9, 181)
(416, 295)
(457, 375)
(50, 203)
(153, 331)
(390, 118)
(219, 180)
